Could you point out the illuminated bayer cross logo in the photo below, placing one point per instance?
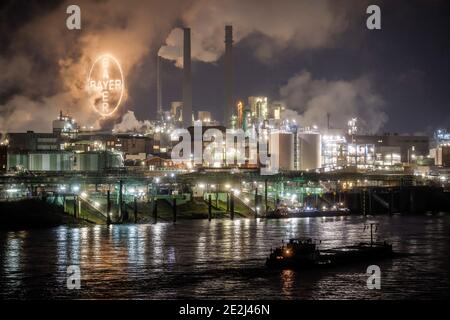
(106, 85)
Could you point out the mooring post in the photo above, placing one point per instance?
(232, 205)
(391, 202)
(75, 207)
(371, 234)
(135, 209)
(265, 197)
(363, 201)
(174, 208)
(209, 207)
(155, 209)
(120, 200)
(108, 207)
(345, 196)
(256, 202)
(80, 213)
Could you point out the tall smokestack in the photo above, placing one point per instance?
(187, 79)
(228, 74)
(159, 88)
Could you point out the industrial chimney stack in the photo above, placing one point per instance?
(159, 89)
(229, 107)
(187, 79)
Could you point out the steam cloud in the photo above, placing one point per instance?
(309, 100)
(44, 65)
(282, 24)
(44, 68)
(129, 123)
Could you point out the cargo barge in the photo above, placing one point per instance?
(304, 254)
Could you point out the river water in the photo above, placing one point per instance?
(222, 259)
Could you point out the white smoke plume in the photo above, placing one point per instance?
(129, 123)
(44, 68)
(46, 65)
(309, 100)
(282, 24)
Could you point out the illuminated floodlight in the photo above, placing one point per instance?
(105, 85)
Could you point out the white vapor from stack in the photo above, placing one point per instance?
(129, 123)
(309, 100)
(279, 25)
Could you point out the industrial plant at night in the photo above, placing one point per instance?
(220, 158)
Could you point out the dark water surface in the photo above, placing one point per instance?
(221, 259)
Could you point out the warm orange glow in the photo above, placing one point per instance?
(106, 84)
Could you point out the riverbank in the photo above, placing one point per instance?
(34, 214)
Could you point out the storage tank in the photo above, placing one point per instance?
(97, 160)
(50, 161)
(281, 145)
(309, 145)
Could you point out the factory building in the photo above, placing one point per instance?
(60, 161)
(92, 142)
(276, 110)
(339, 152)
(334, 149)
(441, 136)
(31, 141)
(134, 144)
(443, 156)
(3, 158)
(65, 126)
(41, 161)
(440, 150)
(176, 111)
(217, 151)
(205, 117)
(259, 108)
(387, 156)
(410, 146)
(97, 161)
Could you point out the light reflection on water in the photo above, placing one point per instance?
(221, 259)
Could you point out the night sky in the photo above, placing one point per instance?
(401, 73)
